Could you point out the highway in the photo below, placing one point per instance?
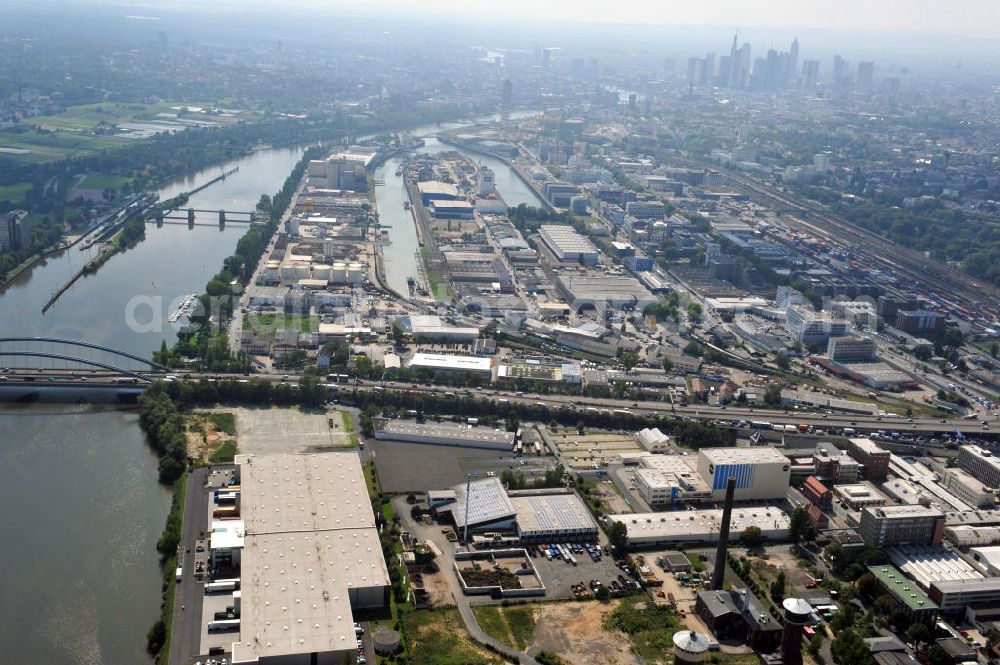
(828, 423)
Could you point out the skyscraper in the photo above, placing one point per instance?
(866, 76)
(810, 74)
(792, 70)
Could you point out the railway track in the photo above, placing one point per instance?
(922, 272)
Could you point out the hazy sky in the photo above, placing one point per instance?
(971, 17)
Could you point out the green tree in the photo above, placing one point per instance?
(800, 526)
(772, 396)
(602, 594)
(920, 634)
(752, 537)
(936, 655)
(849, 648)
(618, 536)
(778, 588)
(668, 365)
(783, 361)
(629, 359)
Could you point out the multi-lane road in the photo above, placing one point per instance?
(828, 422)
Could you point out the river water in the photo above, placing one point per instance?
(81, 515)
(82, 509)
(399, 255)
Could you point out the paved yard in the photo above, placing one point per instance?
(268, 431)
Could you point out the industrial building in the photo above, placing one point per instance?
(653, 440)
(431, 328)
(872, 457)
(342, 170)
(605, 293)
(737, 614)
(852, 349)
(443, 434)
(699, 526)
(810, 327)
(434, 190)
(479, 505)
(919, 607)
(981, 463)
(438, 362)
(816, 492)
(761, 472)
(448, 209)
(553, 516)
(902, 525)
(926, 564)
(311, 556)
(920, 322)
(955, 596)
(968, 488)
(568, 246)
(829, 463)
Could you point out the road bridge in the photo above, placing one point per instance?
(20, 356)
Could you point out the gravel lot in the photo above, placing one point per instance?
(277, 430)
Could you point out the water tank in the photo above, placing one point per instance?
(327, 248)
(386, 640)
(321, 271)
(797, 613)
(302, 271)
(355, 273)
(690, 648)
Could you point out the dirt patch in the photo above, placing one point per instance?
(204, 436)
(575, 632)
(606, 492)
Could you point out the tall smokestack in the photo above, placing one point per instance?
(720, 554)
(797, 613)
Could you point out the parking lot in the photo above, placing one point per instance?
(270, 431)
(418, 467)
(559, 575)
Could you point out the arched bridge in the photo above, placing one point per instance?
(58, 354)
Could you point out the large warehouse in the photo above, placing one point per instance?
(483, 505)
(443, 434)
(311, 555)
(541, 517)
(567, 245)
(700, 526)
(439, 362)
(605, 292)
(761, 472)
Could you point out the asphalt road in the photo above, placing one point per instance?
(185, 637)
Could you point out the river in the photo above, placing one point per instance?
(399, 255)
(82, 509)
(81, 515)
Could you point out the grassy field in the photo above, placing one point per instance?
(348, 423)
(224, 454)
(103, 182)
(514, 626)
(439, 637)
(224, 422)
(14, 193)
(649, 627)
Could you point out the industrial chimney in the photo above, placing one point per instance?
(797, 613)
(720, 553)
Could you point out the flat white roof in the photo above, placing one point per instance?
(931, 563)
(310, 538)
(552, 512)
(227, 534)
(441, 361)
(753, 455)
(699, 524)
(455, 431)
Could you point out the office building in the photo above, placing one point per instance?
(873, 458)
(859, 495)
(920, 322)
(761, 473)
(810, 327)
(568, 246)
(852, 349)
(968, 488)
(830, 464)
(886, 526)
(14, 232)
(311, 556)
(981, 464)
(666, 479)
